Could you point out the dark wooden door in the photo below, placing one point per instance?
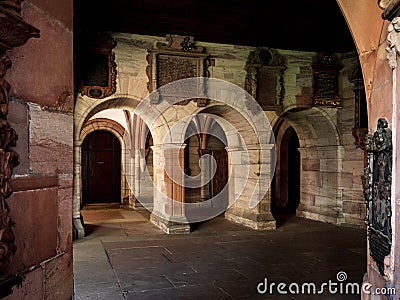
(220, 178)
(101, 168)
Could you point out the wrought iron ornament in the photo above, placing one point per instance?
(377, 190)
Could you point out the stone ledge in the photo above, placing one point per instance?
(258, 221)
(168, 226)
(26, 183)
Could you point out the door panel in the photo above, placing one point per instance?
(101, 163)
(220, 178)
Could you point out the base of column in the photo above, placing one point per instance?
(317, 215)
(170, 227)
(78, 229)
(258, 221)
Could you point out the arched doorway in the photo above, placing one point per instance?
(101, 168)
(286, 184)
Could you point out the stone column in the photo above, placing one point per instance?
(205, 175)
(246, 166)
(169, 192)
(79, 230)
(14, 33)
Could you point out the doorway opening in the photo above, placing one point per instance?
(286, 183)
(101, 169)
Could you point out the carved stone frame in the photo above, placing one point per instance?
(180, 53)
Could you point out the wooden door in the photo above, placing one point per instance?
(101, 168)
(220, 179)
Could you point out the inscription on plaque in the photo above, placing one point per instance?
(326, 86)
(171, 69)
(179, 59)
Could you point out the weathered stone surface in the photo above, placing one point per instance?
(32, 286)
(36, 235)
(64, 214)
(19, 118)
(58, 277)
(45, 65)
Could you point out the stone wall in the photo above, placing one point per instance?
(331, 185)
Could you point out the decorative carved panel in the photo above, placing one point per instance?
(326, 80)
(377, 183)
(97, 70)
(264, 78)
(180, 58)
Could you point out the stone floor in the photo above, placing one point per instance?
(126, 257)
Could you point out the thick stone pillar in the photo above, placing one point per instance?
(383, 262)
(169, 192)
(245, 168)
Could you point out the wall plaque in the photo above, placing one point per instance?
(377, 183)
(177, 59)
(326, 81)
(264, 78)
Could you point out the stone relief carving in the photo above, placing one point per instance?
(264, 78)
(177, 59)
(377, 182)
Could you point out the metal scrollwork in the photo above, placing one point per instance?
(377, 183)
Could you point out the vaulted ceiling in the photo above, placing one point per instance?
(307, 25)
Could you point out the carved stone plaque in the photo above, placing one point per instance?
(326, 84)
(264, 78)
(377, 183)
(179, 59)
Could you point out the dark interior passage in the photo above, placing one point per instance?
(286, 183)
